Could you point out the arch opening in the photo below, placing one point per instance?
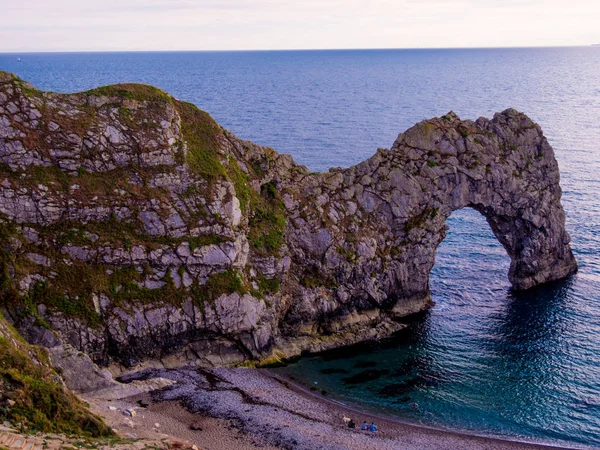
(470, 260)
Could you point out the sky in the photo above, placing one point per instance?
(115, 25)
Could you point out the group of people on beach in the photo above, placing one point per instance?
(364, 427)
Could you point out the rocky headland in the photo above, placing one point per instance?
(134, 228)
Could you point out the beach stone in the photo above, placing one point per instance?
(195, 426)
(130, 412)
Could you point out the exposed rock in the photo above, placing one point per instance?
(145, 230)
(130, 412)
(73, 364)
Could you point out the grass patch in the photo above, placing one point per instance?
(125, 289)
(312, 282)
(267, 228)
(90, 184)
(267, 222)
(244, 192)
(226, 282)
(131, 91)
(313, 279)
(350, 255)
(25, 87)
(266, 286)
(201, 241)
(40, 403)
(267, 213)
(74, 300)
(202, 135)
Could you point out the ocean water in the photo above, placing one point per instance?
(484, 359)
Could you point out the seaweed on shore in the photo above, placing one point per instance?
(365, 376)
(332, 370)
(403, 369)
(394, 390)
(365, 364)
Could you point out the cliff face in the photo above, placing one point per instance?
(136, 227)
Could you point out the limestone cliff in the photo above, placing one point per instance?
(135, 227)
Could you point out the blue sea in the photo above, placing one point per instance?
(484, 359)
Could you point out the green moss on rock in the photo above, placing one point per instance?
(420, 220)
(265, 209)
(226, 282)
(241, 182)
(267, 228)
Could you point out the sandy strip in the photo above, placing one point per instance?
(246, 409)
(412, 436)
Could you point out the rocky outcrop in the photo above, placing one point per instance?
(135, 227)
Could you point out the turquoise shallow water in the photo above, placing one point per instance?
(483, 359)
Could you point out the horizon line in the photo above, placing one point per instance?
(297, 49)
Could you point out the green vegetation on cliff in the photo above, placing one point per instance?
(201, 134)
(131, 91)
(267, 219)
(31, 394)
(226, 282)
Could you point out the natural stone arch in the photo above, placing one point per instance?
(470, 244)
(512, 178)
(507, 231)
(376, 225)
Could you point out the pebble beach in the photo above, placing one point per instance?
(221, 409)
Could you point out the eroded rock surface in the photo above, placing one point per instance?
(137, 228)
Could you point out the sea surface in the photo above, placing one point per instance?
(484, 359)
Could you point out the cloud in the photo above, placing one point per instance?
(273, 24)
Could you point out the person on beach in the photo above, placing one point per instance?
(351, 424)
(364, 426)
(372, 428)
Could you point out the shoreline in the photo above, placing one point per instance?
(258, 408)
(294, 385)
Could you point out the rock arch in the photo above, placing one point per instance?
(380, 222)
